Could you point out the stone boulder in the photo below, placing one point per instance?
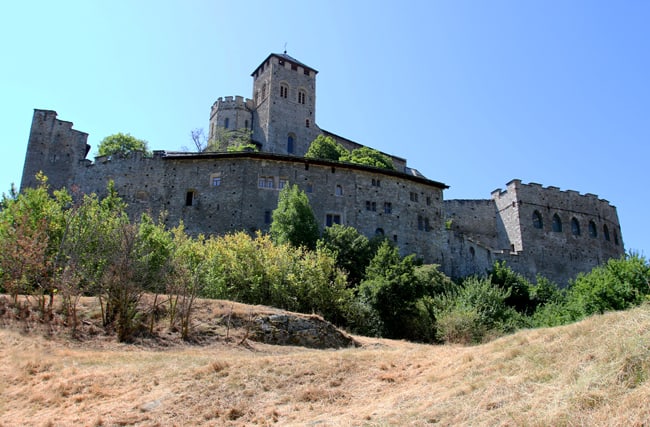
(305, 331)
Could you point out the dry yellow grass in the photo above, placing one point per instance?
(596, 372)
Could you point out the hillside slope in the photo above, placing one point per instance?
(595, 372)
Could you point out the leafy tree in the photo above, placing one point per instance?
(369, 157)
(352, 250)
(392, 289)
(293, 219)
(121, 143)
(468, 313)
(229, 140)
(325, 147)
(617, 285)
(517, 286)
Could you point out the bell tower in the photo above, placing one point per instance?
(284, 100)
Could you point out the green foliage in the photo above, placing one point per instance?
(515, 284)
(121, 143)
(293, 220)
(353, 250)
(617, 285)
(325, 147)
(392, 290)
(230, 140)
(257, 271)
(369, 157)
(473, 311)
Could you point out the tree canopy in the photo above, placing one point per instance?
(121, 143)
(325, 147)
(369, 157)
(293, 220)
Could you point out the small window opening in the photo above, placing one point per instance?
(537, 220)
(290, 144)
(339, 190)
(557, 223)
(307, 123)
(606, 232)
(575, 227)
(592, 229)
(189, 198)
(226, 123)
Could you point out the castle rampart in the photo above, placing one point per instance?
(535, 229)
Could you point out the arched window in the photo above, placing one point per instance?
(284, 90)
(537, 220)
(606, 232)
(301, 96)
(379, 232)
(290, 141)
(557, 223)
(592, 229)
(575, 227)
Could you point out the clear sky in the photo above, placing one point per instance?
(472, 93)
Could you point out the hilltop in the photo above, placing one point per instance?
(594, 372)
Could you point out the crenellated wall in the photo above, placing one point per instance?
(54, 148)
(537, 230)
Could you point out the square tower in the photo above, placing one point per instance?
(284, 100)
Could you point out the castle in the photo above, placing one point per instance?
(535, 229)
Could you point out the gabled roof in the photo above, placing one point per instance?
(287, 58)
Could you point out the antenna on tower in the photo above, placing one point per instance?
(285, 48)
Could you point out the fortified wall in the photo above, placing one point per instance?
(217, 193)
(535, 229)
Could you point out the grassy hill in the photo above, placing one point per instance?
(595, 372)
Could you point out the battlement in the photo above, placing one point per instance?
(229, 102)
(516, 186)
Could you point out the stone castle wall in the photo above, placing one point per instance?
(54, 148)
(219, 193)
(534, 229)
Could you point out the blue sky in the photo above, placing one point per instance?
(472, 93)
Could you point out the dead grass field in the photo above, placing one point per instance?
(592, 373)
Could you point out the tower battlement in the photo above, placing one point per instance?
(516, 186)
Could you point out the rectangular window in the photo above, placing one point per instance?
(267, 217)
(270, 182)
(413, 196)
(388, 207)
(373, 207)
(261, 183)
(189, 198)
(310, 187)
(428, 201)
(283, 183)
(215, 179)
(339, 190)
(376, 183)
(331, 219)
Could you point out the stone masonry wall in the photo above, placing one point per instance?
(369, 199)
(53, 148)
